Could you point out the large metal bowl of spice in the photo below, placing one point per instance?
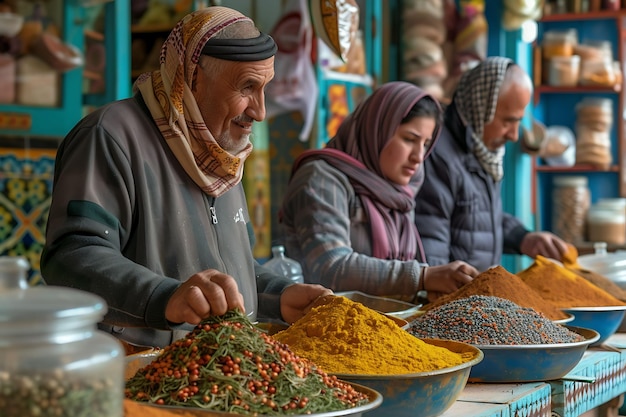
(139, 360)
(529, 363)
(424, 394)
(604, 320)
(228, 365)
(357, 344)
(519, 344)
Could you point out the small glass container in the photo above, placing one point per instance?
(598, 72)
(606, 224)
(570, 203)
(53, 360)
(563, 71)
(559, 43)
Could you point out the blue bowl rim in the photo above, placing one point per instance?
(570, 317)
(590, 335)
(592, 309)
(478, 357)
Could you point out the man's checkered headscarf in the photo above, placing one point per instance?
(168, 95)
(476, 99)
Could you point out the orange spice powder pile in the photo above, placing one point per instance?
(563, 287)
(499, 282)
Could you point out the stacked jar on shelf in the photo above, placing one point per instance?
(578, 85)
(568, 63)
(561, 65)
(594, 117)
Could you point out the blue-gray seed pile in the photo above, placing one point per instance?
(489, 320)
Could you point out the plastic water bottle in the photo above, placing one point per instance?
(284, 265)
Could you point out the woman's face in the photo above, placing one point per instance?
(402, 155)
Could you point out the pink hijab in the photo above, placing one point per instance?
(355, 150)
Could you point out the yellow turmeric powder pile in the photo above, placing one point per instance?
(345, 337)
(563, 287)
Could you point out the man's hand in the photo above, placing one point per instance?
(296, 300)
(205, 294)
(545, 244)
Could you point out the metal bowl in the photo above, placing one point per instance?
(528, 363)
(139, 360)
(568, 319)
(389, 306)
(604, 320)
(424, 394)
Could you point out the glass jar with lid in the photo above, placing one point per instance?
(53, 360)
(571, 199)
(606, 221)
(559, 43)
(606, 224)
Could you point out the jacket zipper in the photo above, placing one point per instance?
(212, 210)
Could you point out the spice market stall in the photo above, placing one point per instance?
(515, 315)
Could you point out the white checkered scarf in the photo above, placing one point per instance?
(167, 93)
(476, 99)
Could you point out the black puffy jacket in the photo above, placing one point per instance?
(459, 207)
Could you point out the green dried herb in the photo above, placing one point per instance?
(227, 364)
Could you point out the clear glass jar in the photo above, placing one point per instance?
(570, 203)
(559, 43)
(53, 360)
(563, 71)
(285, 266)
(606, 224)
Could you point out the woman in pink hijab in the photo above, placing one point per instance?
(347, 216)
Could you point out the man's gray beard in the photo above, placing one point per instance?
(231, 146)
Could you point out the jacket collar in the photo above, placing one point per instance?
(461, 134)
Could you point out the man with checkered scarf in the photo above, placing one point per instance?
(459, 207)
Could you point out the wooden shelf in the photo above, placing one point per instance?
(579, 89)
(575, 168)
(568, 17)
(542, 89)
(586, 248)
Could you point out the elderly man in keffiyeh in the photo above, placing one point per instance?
(459, 208)
(148, 210)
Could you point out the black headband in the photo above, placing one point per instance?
(253, 49)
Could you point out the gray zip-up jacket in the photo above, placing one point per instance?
(128, 224)
(459, 207)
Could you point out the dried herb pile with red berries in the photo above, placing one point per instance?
(227, 364)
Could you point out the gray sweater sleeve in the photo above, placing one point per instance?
(89, 221)
(333, 245)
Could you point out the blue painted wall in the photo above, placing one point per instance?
(517, 184)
